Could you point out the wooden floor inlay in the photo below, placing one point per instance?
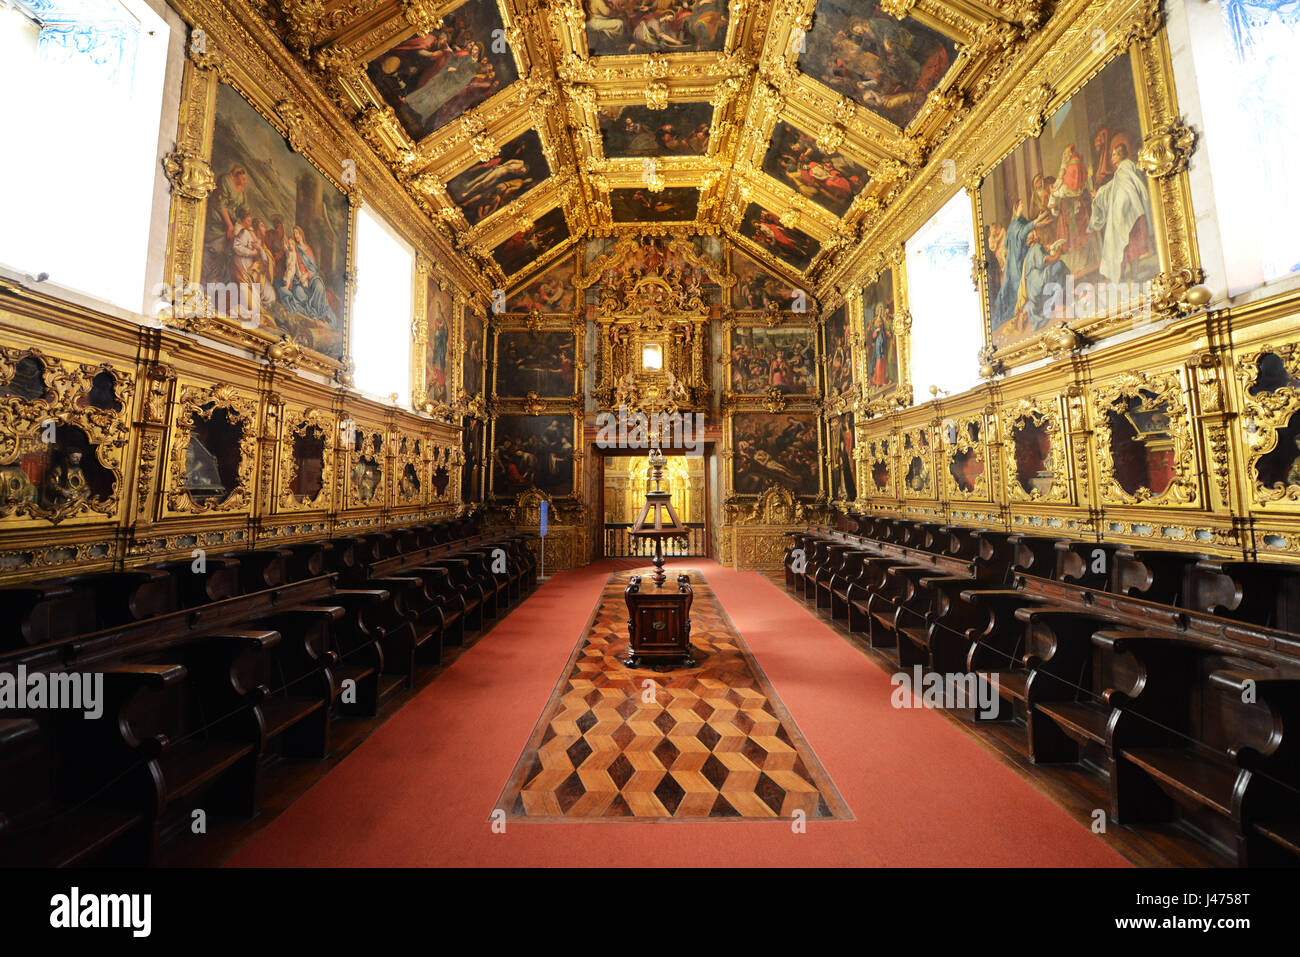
(707, 743)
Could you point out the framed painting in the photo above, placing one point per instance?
(778, 448)
(1069, 223)
(471, 476)
(437, 368)
(758, 289)
(838, 350)
(787, 243)
(883, 63)
(430, 79)
(680, 129)
(831, 180)
(616, 27)
(526, 247)
(276, 233)
(841, 457)
(639, 204)
(761, 359)
(532, 452)
(534, 362)
(885, 336)
(496, 182)
(472, 364)
(551, 292)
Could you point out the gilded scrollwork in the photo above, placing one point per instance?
(1270, 386)
(1143, 441)
(1035, 454)
(964, 445)
(307, 427)
(201, 479)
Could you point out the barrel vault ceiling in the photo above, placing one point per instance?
(786, 125)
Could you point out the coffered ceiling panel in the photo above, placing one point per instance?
(788, 125)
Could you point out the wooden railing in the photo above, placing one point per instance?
(620, 544)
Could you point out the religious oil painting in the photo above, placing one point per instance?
(437, 370)
(430, 79)
(831, 180)
(885, 64)
(1142, 444)
(275, 241)
(1067, 220)
(763, 359)
(792, 245)
(526, 247)
(881, 373)
(532, 451)
(775, 449)
(617, 27)
(674, 204)
(759, 289)
(471, 475)
(540, 362)
(472, 364)
(839, 353)
(494, 183)
(551, 292)
(680, 129)
(841, 465)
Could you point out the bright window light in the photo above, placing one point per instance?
(947, 324)
(652, 356)
(81, 85)
(381, 311)
(1248, 76)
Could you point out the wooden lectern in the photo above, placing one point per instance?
(655, 525)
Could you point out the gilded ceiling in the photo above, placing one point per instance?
(786, 125)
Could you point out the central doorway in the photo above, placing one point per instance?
(626, 481)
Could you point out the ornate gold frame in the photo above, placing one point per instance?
(297, 424)
(1048, 416)
(189, 411)
(1166, 387)
(1167, 146)
(963, 443)
(1266, 415)
(928, 459)
(106, 430)
(901, 395)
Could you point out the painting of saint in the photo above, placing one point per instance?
(839, 357)
(763, 359)
(437, 384)
(540, 362)
(887, 65)
(775, 449)
(552, 292)
(789, 244)
(472, 364)
(532, 451)
(665, 26)
(430, 79)
(471, 475)
(832, 180)
(275, 238)
(840, 462)
(680, 129)
(881, 372)
(757, 288)
(488, 186)
(1067, 216)
(674, 204)
(523, 248)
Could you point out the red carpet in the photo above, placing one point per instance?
(420, 790)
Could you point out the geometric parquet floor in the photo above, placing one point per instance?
(707, 743)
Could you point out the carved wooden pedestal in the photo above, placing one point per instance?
(659, 623)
